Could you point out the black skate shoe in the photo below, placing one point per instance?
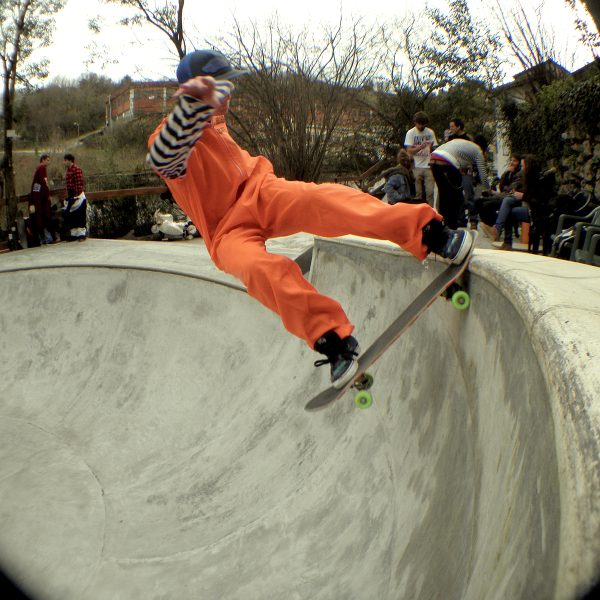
(451, 244)
(341, 355)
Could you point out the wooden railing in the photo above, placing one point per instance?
(151, 190)
(100, 195)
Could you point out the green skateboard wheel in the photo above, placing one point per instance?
(461, 300)
(363, 399)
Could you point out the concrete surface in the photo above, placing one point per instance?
(153, 441)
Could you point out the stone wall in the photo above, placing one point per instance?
(579, 168)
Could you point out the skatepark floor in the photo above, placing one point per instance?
(154, 443)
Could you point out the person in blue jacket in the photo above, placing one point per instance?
(400, 180)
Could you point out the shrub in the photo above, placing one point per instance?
(539, 127)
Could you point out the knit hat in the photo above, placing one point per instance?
(206, 62)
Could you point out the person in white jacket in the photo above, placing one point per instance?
(419, 143)
(447, 163)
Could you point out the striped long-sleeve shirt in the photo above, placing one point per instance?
(463, 154)
(183, 127)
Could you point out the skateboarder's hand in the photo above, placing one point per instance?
(202, 88)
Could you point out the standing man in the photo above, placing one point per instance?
(419, 142)
(448, 161)
(457, 132)
(40, 213)
(76, 203)
(237, 203)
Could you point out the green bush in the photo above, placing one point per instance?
(539, 128)
(112, 218)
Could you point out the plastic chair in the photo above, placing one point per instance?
(587, 253)
(563, 239)
(595, 250)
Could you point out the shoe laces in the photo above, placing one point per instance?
(322, 362)
(346, 354)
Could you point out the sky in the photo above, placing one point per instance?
(146, 54)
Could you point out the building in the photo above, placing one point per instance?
(135, 99)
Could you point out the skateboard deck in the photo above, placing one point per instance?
(409, 315)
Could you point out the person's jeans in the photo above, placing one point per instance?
(469, 194)
(504, 215)
(517, 214)
(449, 183)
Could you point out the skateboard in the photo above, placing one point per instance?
(449, 283)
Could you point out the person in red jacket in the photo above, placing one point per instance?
(39, 203)
(237, 202)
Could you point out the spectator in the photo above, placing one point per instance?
(457, 131)
(495, 206)
(532, 204)
(75, 210)
(511, 179)
(400, 180)
(40, 213)
(419, 142)
(447, 162)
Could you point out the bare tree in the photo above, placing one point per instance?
(455, 48)
(432, 52)
(25, 25)
(528, 39)
(534, 46)
(166, 16)
(298, 99)
(410, 69)
(463, 47)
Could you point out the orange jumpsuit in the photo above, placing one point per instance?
(237, 203)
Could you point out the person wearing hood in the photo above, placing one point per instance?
(400, 180)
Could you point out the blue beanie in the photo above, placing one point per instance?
(206, 62)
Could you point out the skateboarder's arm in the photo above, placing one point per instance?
(183, 127)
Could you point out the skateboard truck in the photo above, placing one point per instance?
(364, 382)
(459, 298)
(456, 294)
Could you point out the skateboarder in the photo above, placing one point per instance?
(237, 203)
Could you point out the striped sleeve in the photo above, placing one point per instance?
(481, 168)
(170, 150)
(471, 155)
